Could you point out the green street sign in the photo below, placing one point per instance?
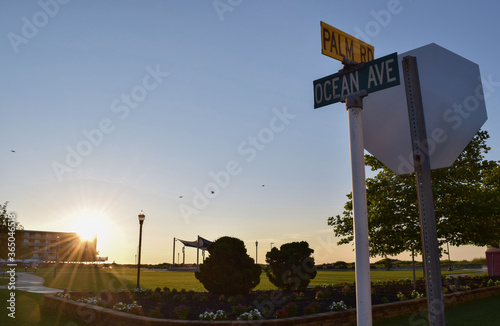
(371, 76)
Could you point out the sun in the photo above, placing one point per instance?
(88, 227)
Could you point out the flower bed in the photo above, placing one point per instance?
(192, 305)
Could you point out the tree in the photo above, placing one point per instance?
(492, 182)
(291, 267)
(228, 269)
(466, 200)
(340, 265)
(5, 222)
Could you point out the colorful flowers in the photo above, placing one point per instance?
(210, 315)
(132, 308)
(289, 310)
(338, 306)
(250, 315)
(313, 308)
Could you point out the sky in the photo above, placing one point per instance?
(200, 113)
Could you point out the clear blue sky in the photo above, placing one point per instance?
(113, 107)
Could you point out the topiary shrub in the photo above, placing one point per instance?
(228, 269)
(291, 267)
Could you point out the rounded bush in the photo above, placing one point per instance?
(228, 269)
(291, 267)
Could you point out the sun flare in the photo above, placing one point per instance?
(88, 227)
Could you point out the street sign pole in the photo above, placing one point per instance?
(421, 161)
(354, 105)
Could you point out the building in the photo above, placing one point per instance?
(48, 246)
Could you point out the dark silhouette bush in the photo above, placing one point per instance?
(291, 267)
(228, 269)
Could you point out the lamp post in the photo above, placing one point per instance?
(57, 249)
(141, 221)
(256, 250)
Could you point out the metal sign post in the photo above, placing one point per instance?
(421, 161)
(354, 105)
(361, 75)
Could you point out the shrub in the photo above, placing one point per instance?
(291, 267)
(313, 308)
(320, 295)
(181, 312)
(290, 310)
(239, 309)
(236, 299)
(229, 269)
(155, 313)
(416, 295)
(347, 290)
(401, 296)
(199, 297)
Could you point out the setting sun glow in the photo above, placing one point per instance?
(88, 227)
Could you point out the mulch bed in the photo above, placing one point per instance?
(162, 303)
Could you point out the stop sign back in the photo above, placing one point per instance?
(454, 110)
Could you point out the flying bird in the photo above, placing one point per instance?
(13, 151)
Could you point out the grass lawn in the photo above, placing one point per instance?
(339, 276)
(29, 311)
(484, 312)
(90, 278)
(94, 279)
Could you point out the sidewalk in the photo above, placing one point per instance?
(31, 283)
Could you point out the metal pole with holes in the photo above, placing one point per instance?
(432, 268)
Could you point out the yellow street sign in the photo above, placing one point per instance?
(339, 45)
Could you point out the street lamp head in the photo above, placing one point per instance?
(142, 217)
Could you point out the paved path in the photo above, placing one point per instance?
(31, 283)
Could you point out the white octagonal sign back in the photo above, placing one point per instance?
(454, 110)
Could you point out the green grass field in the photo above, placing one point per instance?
(482, 312)
(92, 279)
(29, 311)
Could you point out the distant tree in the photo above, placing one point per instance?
(340, 264)
(386, 262)
(466, 197)
(492, 196)
(5, 222)
(228, 269)
(291, 267)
